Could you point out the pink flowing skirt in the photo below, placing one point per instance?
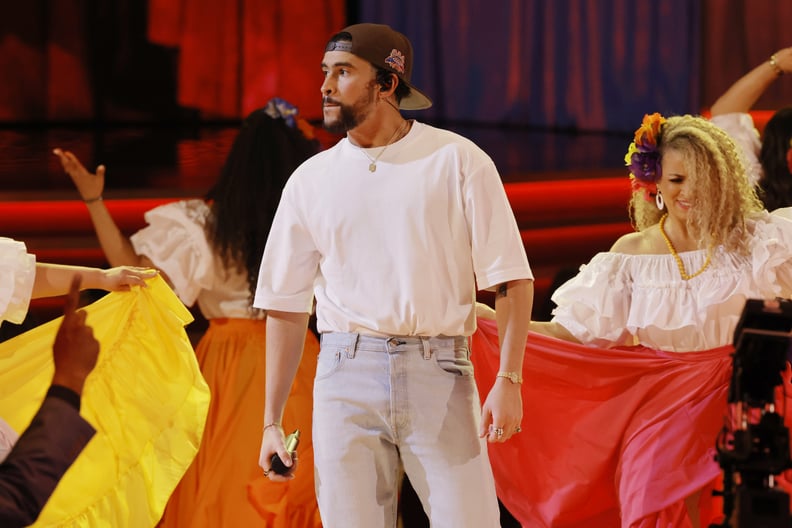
(611, 437)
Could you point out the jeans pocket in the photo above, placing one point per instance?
(453, 360)
(330, 360)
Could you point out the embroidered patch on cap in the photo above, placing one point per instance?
(396, 60)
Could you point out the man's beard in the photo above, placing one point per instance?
(350, 115)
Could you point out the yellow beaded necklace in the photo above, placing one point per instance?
(678, 259)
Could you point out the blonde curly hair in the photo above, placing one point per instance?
(723, 196)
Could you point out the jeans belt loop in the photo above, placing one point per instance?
(352, 346)
(427, 348)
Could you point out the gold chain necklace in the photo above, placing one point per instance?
(373, 164)
(680, 264)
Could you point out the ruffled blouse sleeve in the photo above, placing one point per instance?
(594, 306)
(741, 129)
(18, 270)
(772, 253)
(176, 243)
(784, 212)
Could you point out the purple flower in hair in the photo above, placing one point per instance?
(642, 156)
(645, 166)
(280, 108)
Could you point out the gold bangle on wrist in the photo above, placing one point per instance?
(774, 64)
(272, 424)
(514, 377)
(93, 200)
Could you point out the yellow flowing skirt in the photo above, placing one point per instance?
(145, 397)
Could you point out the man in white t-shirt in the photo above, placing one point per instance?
(392, 230)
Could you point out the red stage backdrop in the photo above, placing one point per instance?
(584, 64)
(67, 60)
(233, 56)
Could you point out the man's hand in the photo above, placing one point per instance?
(75, 350)
(272, 442)
(502, 412)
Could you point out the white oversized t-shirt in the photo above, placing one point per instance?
(398, 251)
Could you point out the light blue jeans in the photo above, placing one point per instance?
(386, 406)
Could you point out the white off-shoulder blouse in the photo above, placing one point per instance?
(18, 272)
(176, 243)
(618, 299)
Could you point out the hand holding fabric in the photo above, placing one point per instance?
(122, 278)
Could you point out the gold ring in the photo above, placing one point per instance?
(266, 472)
(518, 429)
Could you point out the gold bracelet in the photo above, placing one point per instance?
(93, 200)
(514, 377)
(774, 64)
(273, 424)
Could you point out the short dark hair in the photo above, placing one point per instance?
(384, 78)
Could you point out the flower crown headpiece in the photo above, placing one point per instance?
(643, 158)
(280, 108)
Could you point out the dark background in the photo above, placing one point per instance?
(591, 65)
(155, 88)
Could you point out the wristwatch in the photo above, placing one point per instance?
(514, 377)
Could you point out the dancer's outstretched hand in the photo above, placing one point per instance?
(89, 185)
(121, 278)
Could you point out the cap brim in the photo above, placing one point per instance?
(417, 100)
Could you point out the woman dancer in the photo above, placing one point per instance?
(209, 251)
(628, 393)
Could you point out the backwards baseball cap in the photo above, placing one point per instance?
(385, 48)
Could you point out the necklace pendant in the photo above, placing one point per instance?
(372, 167)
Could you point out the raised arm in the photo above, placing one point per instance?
(116, 246)
(741, 96)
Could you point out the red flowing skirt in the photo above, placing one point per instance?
(611, 437)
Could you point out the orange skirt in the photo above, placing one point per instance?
(225, 487)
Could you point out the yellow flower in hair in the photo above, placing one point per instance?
(632, 149)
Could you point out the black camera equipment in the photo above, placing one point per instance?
(753, 447)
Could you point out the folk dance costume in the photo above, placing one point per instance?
(225, 486)
(145, 398)
(620, 430)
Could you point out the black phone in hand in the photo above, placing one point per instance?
(276, 464)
